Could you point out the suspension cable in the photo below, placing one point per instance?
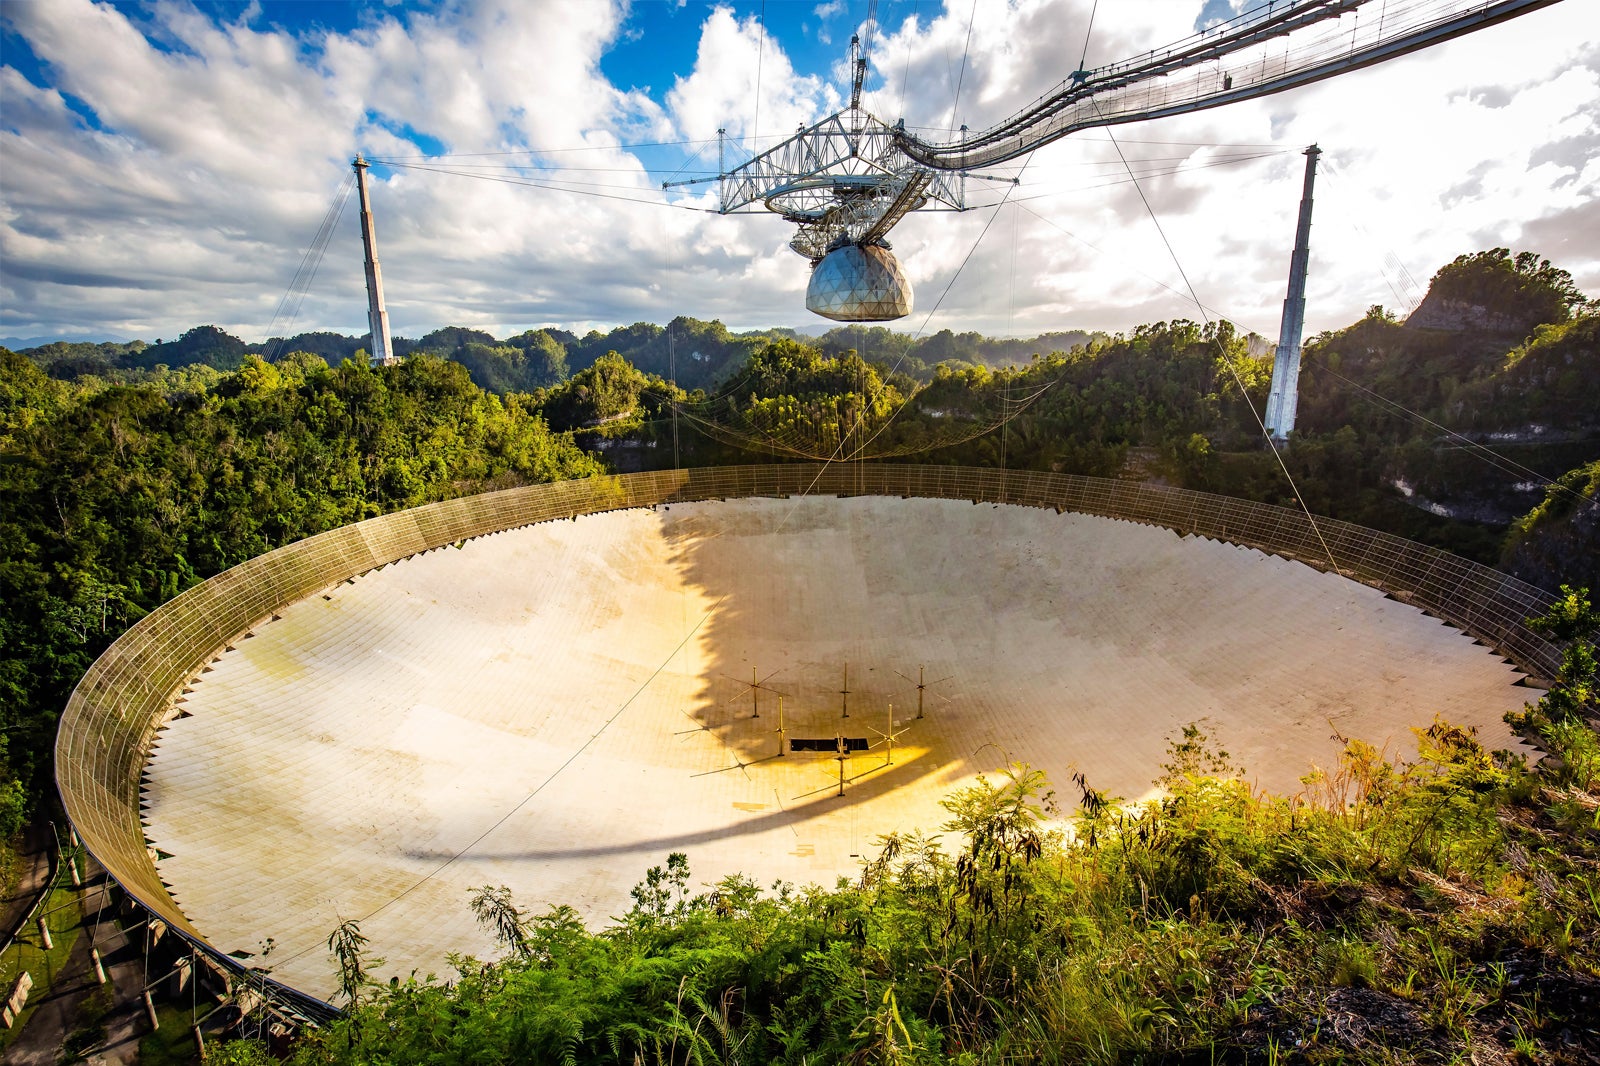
(761, 40)
(955, 104)
(1227, 360)
(905, 75)
(1402, 285)
(552, 151)
(300, 283)
(1086, 33)
(551, 186)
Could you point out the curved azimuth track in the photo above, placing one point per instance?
(1268, 49)
(847, 180)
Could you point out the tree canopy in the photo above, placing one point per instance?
(1524, 288)
(119, 497)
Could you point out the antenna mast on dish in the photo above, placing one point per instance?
(377, 317)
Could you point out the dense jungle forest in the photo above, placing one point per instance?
(1455, 896)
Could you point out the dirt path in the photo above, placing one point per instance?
(113, 1040)
(55, 1014)
(34, 862)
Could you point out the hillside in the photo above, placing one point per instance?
(120, 497)
(1434, 909)
(703, 353)
(1495, 292)
(1445, 428)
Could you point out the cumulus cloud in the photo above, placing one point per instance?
(1424, 159)
(168, 170)
(826, 12)
(743, 82)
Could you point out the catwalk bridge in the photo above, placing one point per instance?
(848, 179)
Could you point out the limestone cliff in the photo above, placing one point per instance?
(1460, 316)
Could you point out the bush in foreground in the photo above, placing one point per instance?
(1441, 910)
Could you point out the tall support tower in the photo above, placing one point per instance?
(1285, 394)
(377, 317)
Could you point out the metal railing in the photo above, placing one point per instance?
(129, 693)
(1266, 50)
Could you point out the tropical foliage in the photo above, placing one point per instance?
(119, 497)
(1560, 535)
(1523, 288)
(1440, 909)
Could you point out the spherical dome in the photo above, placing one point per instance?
(859, 283)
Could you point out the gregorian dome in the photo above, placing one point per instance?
(859, 283)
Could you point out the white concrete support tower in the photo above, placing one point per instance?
(377, 317)
(1285, 394)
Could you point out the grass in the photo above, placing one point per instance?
(173, 1043)
(27, 953)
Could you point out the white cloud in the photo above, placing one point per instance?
(743, 82)
(1400, 139)
(825, 12)
(220, 144)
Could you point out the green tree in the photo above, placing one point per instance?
(348, 947)
(498, 913)
(1523, 287)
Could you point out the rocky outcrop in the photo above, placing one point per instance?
(1559, 541)
(1436, 312)
(1496, 292)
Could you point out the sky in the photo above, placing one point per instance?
(166, 164)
